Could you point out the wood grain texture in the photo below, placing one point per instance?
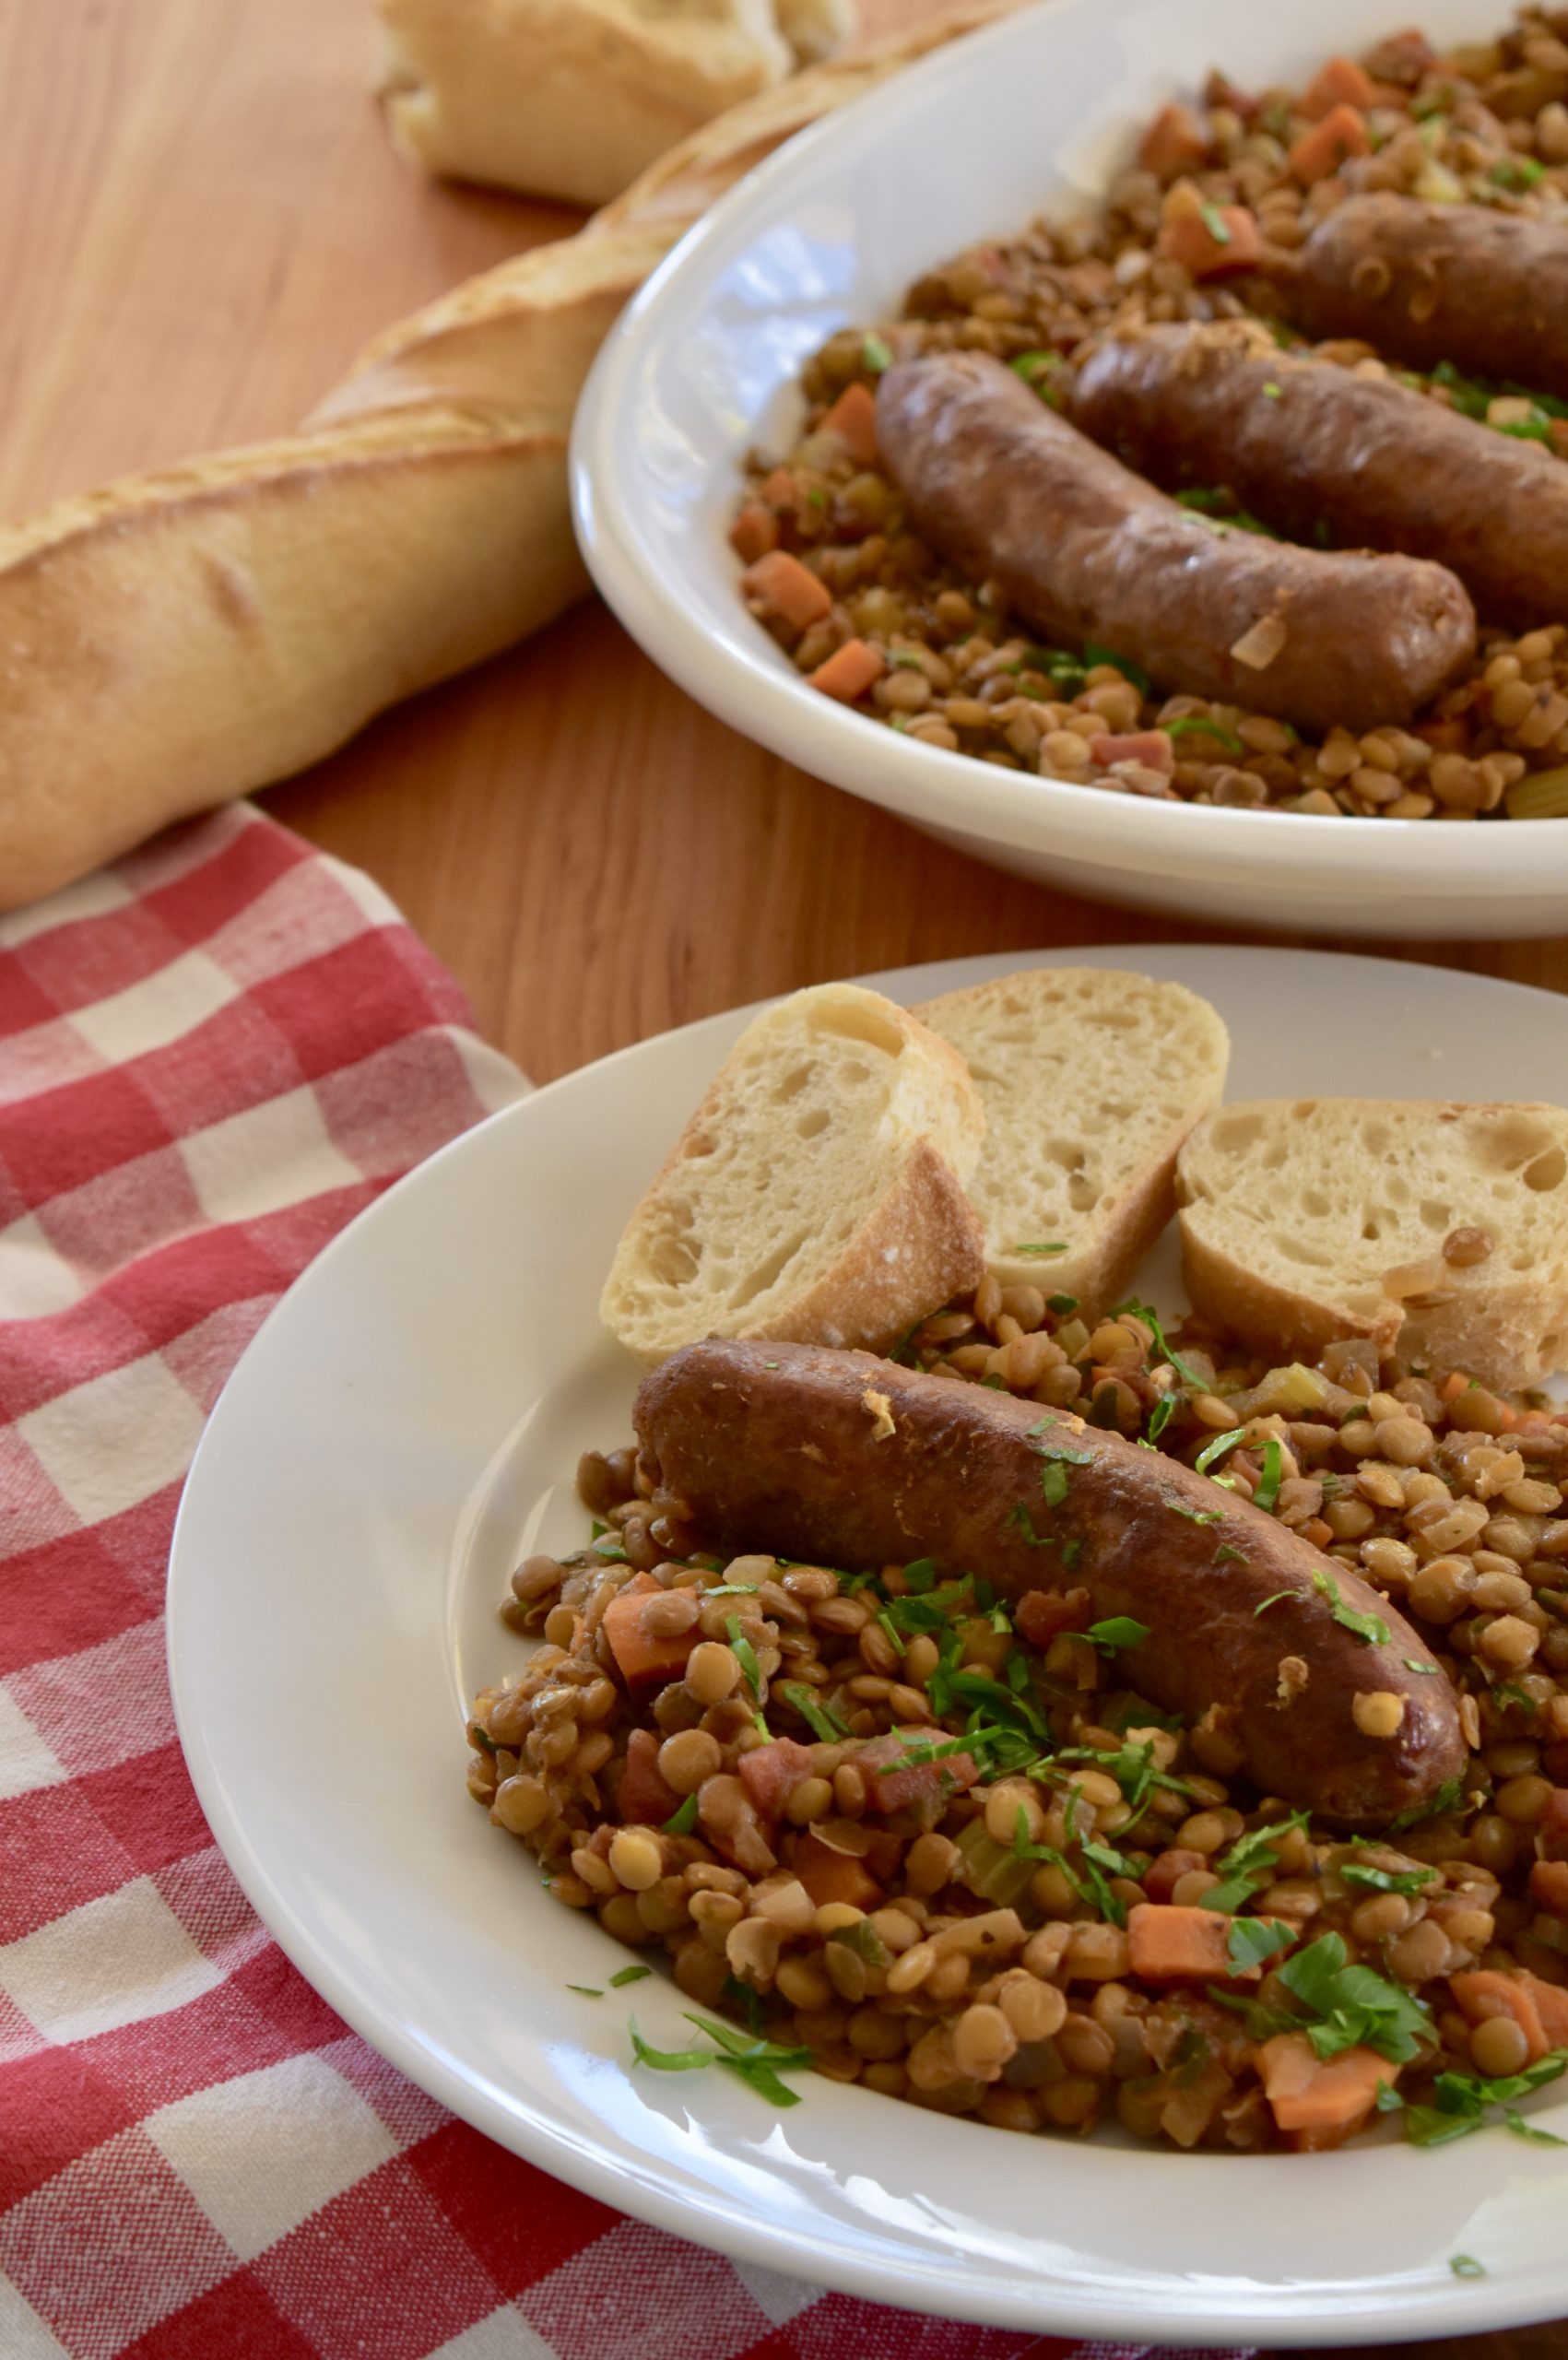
(200, 222)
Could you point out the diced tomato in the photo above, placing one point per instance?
(835, 1876)
(645, 1799)
(1153, 748)
(1175, 143)
(1340, 82)
(893, 1783)
(769, 1773)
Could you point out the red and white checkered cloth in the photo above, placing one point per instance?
(211, 1056)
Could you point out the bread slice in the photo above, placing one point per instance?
(1305, 1220)
(817, 1194)
(1091, 1079)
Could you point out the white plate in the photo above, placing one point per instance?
(1029, 116)
(407, 1423)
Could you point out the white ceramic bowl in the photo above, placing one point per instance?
(1029, 116)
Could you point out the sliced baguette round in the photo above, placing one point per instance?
(1306, 1220)
(817, 1194)
(1091, 1079)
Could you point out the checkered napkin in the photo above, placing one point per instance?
(211, 1057)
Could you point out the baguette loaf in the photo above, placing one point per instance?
(816, 1197)
(1091, 1079)
(575, 97)
(183, 637)
(1441, 1231)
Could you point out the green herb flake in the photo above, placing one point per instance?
(1249, 1865)
(876, 354)
(1403, 1881)
(1160, 1417)
(1278, 1597)
(1253, 1939)
(1118, 1631)
(586, 1991)
(1226, 1554)
(1128, 670)
(1370, 1627)
(611, 1551)
(1353, 2007)
(1447, 1798)
(1268, 1490)
(922, 1574)
(863, 1939)
(1061, 1304)
(757, 2061)
(1193, 1515)
(1019, 1514)
(1216, 224)
(683, 1819)
(1414, 1663)
(1037, 1249)
(1197, 724)
(1465, 2265)
(820, 1719)
(1148, 1317)
(1212, 1452)
(635, 1974)
(890, 1631)
(745, 1655)
(1462, 2101)
(1507, 1692)
(1271, 392)
(1054, 1482)
(1516, 172)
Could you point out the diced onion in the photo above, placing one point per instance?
(1258, 648)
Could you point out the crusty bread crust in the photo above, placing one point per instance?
(1389, 1180)
(575, 97)
(180, 638)
(817, 1194)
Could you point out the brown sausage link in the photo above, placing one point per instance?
(1089, 553)
(1425, 283)
(776, 1447)
(1317, 452)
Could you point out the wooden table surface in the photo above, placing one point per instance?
(200, 222)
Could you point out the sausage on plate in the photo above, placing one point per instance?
(1425, 283)
(1323, 454)
(1089, 553)
(843, 1460)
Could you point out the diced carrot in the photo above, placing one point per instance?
(1175, 143)
(1213, 240)
(645, 1799)
(1484, 1992)
(754, 532)
(1169, 1944)
(1341, 82)
(1554, 1825)
(768, 1772)
(1341, 133)
(1321, 2101)
(849, 671)
(1549, 1886)
(835, 1876)
(642, 1660)
(894, 1784)
(1453, 1384)
(1153, 748)
(853, 419)
(786, 588)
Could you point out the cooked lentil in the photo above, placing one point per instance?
(963, 1944)
(949, 665)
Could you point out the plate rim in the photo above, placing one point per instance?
(698, 2216)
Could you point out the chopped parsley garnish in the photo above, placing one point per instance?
(1193, 1516)
(745, 1655)
(1272, 392)
(635, 1974)
(1061, 1304)
(1404, 1881)
(1278, 1596)
(1353, 2007)
(756, 2061)
(876, 353)
(1018, 1514)
(1267, 1490)
(1064, 1450)
(1118, 1631)
(1414, 1663)
(587, 1991)
(1516, 172)
(1132, 1766)
(1447, 1798)
(1054, 1481)
(1465, 2265)
(1212, 1452)
(922, 1574)
(1160, 1417)
(820, 1719)
(1249, 1865)
(1060, 1248)
(1197, 724)
(1128, 670)
(1461, 2102)
(1506, 1692)
(1149, 1318)
(1215, 223)
(683, 1819)
(733, 1589)
(1226, 1554)
(862, 1938)
(890, 1631)
(610, 1550)
(1370, 1627)
(1253, 1939)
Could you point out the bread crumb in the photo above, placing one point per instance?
(1293, 1678)
(881, 1409)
